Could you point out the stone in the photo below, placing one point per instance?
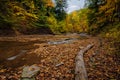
(29, 72)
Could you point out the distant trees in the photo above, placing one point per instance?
(99, 16)
(77, 21)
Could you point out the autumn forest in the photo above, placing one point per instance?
(42, 30)
(22, 16)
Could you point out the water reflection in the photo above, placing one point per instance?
(14, 53)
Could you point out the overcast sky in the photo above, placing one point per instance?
(75, 5)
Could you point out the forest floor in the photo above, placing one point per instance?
(48, 51)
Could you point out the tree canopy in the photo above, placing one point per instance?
(98, 16)
(104, 16)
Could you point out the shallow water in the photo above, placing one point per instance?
(14, 53)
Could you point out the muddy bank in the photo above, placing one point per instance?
(15, 53)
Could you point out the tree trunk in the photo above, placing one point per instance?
(80, 71)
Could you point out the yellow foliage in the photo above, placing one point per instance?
(51, 20)
(20, 12)
(49, 3)
(29, 3)
(108, 8)
(30, 15)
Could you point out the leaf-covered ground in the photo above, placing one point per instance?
(99, 62)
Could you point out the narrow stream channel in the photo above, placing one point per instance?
(14, 53)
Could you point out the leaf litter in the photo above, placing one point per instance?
(57, 62)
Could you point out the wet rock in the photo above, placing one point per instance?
(29, 72)
(66, 41)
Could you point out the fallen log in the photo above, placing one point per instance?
(80, 71)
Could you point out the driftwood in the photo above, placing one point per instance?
(59, 64)
(80, 71)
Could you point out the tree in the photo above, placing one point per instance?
(60, 9)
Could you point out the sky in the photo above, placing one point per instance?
(75, 5)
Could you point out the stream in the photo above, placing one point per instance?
(15, 53)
